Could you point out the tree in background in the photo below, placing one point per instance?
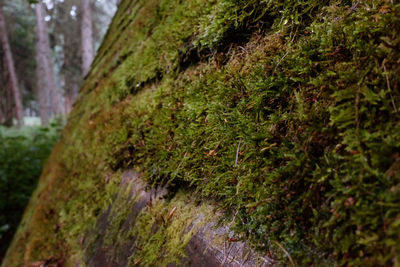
(75, 35)
(49, 99)
(70, 18)
(11, 69)
(87, 36)
(65, 27)
(6, 108)
(63, 21)
(20, 20)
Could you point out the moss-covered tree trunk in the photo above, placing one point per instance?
(277, 118)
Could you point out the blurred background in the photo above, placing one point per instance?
(46, 50)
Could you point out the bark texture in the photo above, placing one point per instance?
(87, 36)
(49, 99)
(19, 113)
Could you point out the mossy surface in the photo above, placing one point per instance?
(163, 230)
(284, 112)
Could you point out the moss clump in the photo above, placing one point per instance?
(291, 125)
(163, 230)
(306, 112)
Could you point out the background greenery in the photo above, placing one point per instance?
(22, 155)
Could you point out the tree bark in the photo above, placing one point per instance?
(19, 112)
(87, 36)
(48, 96)
(7, 98)
(2, 118)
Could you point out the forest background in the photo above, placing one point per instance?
(46, 50)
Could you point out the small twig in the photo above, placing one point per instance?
(279, 62)
(388, 86)
(286, 253)
(237, 153)
(171, 213)
(356, 106)
(243, 49)
(354, 7)
(245, 259)
(227, 254)
(137, 262)
(234, 216)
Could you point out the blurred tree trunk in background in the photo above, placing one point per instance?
(42, 83)
(60, 31)
(49, 99)
(68, 38)
(4, 102)
(71, 86)
(87, 36)
(6, 97)
(1, 116)
(8, 106)
(19, 112)
(69, 101)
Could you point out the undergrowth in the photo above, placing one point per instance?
(23, 152)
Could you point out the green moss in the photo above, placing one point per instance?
(286, 112)
(120, 210)
(163, 230)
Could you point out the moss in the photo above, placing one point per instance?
(163, 230)
(292, 126)
(120, 210)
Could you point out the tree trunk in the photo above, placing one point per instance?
(87, 36)
(2, 89)
(8, 103)
(69, 100)
(3, 94)
(72, 80)
(19, 112)
(2, 118)
(48, 97)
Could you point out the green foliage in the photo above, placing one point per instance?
(22, 155)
